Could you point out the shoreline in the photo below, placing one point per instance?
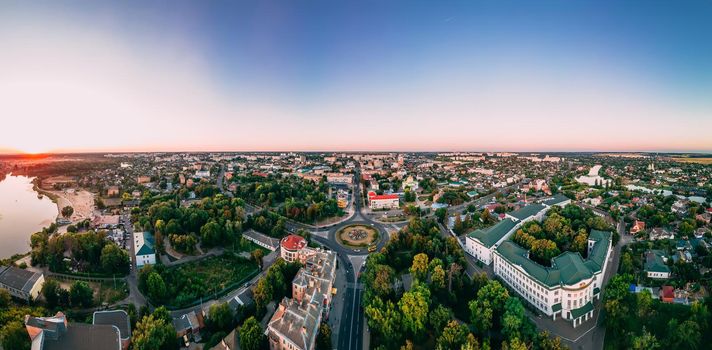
(83, 207)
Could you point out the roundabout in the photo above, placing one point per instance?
(357, 236)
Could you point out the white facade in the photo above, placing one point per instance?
(143, 248)
(384, 203)
(475, 248)
(572, 301)
(658, 275)
(20, 283)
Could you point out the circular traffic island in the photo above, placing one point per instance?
(357, 236)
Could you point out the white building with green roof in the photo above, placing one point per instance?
(144, 249)
(568, 288)
(482, 242)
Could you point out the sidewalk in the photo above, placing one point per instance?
(337, 306)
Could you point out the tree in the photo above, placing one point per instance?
(156, 287)
(485, 216)
(114, 259)
(81, 294)
(414, 307)
(437, 278)
(514, 344)
(495, 294)
(50, 291)
(154, 333)
(383, 278)
(262, 293)
(257, 255)
(14, 336)
(481, 315)
(453, 336)
(220, 317)
(471, 343)
(439, 317)
(645, 341)
(546, 342)
(513, 319)
(685, 336)
(644, 302)
(419, 269)
(5, 298)
(211, 234)
(323, 339)
(626, 265)
(385, 319)
(251, 334)
(454, 268)
(67, 211)
(543, 250)
(441, 214)
(580, 243)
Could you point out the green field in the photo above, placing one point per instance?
(189, 282)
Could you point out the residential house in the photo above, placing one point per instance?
(656, 264)
(660, 233)
(637, 227)
(189, 324)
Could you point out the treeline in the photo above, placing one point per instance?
(90, 252)
(443, 308)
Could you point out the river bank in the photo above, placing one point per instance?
(81, 200)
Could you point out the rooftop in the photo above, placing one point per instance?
(527, 211)
(18, 278)
(567, 269)
(556, 199)
(118, 318)
(293, 242)
(491, 235)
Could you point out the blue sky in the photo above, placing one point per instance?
(382, 75)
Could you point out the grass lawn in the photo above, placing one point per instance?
(189, 282)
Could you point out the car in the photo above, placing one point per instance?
(186, 341)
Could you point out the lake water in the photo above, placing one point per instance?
(666, 193)
(21, 214)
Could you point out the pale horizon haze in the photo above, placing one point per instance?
(355, 76)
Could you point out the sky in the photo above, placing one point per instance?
(94, 76)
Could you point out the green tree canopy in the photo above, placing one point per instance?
(251, 334)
